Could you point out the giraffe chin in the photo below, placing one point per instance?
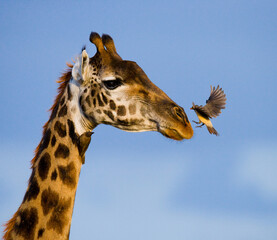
(180, 134)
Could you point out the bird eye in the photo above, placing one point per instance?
(112, 84)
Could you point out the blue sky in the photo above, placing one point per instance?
(142, 185)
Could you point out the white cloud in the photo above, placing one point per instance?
(257, 168)
(167, 224)
(130, 202)
(127, 198)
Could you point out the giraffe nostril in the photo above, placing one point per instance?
(179, 112)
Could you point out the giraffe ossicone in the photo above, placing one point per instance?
(103, 89)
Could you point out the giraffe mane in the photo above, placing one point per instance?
(9, 226)
(63, 83)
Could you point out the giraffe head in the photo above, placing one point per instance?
(118, 93)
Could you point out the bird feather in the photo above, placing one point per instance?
(215, 103)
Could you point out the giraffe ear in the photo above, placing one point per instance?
(85, 61)
(79, 68)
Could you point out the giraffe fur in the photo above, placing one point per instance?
(103, 89)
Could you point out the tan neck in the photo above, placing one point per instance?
(47, 208)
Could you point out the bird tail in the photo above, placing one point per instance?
(212, 131)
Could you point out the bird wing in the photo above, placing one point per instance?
(215, 103)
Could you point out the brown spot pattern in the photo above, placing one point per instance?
(44, 165)
(72, 132)
(109, 114)
(112, 105)
(143, 111)
(49, 200)
(121, 110)
(59, 217)
(60, 128)
(62, 151)
(25, 227)
(53, 141)
(45, 142)
(63, 111)
(40, 232)
(54, 112)
(32, 191)
(132, 109)
(69, 93)
(92, 93)
(54, 175)
(101, 104)
(88, 101)
(62, 101)
(68, 175)
(123, 122)
(83, 107)
(104, 98)
(136, 121)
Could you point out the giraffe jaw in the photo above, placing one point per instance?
(167, 132)
(180, 132)
(173, 134)
(136, 128)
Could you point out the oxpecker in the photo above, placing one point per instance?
(212, 109)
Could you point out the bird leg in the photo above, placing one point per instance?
(198, 123)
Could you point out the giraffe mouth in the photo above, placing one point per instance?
(173, 133)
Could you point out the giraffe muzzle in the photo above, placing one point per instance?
(177, 127)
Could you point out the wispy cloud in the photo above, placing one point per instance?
(257, 168)
(128, 199)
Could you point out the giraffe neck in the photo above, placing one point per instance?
(47, 207)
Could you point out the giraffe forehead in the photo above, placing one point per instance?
(120, 68)
(128, 71)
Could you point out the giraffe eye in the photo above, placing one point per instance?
(112, 84)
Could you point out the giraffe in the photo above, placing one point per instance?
(101, 89)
